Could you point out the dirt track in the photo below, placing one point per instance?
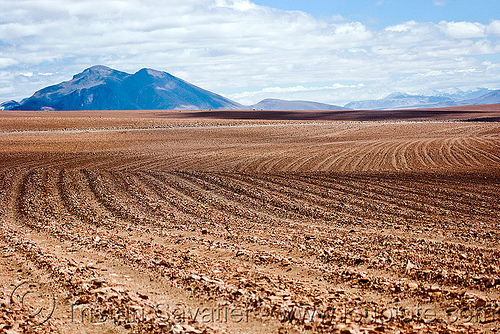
(249, 226)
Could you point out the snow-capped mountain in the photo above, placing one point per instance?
(490, 98)
(437, 100)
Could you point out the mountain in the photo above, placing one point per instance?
(103, 88)
(8, 105)
(490, 98)
(399, 101)
(408, 101)
(275, 104)
(458, 94)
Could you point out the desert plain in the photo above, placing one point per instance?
(250, 222)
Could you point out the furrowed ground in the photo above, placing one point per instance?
(197, 226)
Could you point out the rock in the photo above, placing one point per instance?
(191, 329)
(285, 262)
(178, 329)
(413, 286)
(435, 288)
(490, 282)
(410, 266)
(164, 263)
(195, 277)
(142, 296)
(98, 282)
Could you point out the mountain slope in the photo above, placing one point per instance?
(490, 98)
(407, 101)
(164, 91)
(399, 101)
(275, 104)
(8, 105)
(102, 88)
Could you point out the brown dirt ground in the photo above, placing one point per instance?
(166, 222)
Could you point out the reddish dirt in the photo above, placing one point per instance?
(105, 118)
(144, 223)
(478, 107)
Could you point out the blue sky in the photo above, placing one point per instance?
(248, 50)
(381, 13)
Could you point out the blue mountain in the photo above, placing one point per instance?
(103, 88)
(276, 104)
(8, 105)
(408, 101)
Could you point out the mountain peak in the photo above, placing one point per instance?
(437, 100)
(102, 88)
(99, 68)
(153, 72)
(152, 75)
(7, 105)
(277, 104)
(398, 95)
(97, 71)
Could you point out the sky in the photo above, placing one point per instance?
(330, 51)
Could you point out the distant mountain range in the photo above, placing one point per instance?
(103, 88)
(407, 101)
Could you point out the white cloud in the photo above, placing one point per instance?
(241, 5)
(6, 62)
(330, 94)
(463, 29)
(493, 28)
(404, 27)
(229, 45)
(337, 18)
(294, 89)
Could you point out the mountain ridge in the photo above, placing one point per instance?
(277, 104)
(399, 100)
(103, 88)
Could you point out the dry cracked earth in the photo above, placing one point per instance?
(113, 224)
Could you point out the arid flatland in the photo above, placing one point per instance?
(213, 224)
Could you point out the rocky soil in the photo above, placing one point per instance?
(250, 227)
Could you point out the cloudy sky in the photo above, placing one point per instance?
(331, 51)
